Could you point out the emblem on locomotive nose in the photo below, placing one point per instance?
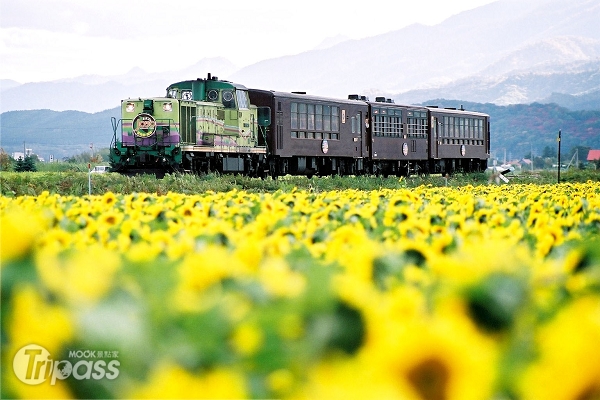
(325, 146)
(144, 125)
(405, 148)
(462, 150)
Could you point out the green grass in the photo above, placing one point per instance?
(73, 182)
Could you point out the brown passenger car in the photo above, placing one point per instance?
(314, 135)
(398, 138)
(460, 140)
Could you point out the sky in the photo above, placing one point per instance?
(44, 40)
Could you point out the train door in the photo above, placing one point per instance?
(435, 137)
(357, 131)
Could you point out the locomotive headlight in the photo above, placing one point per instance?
(168, 107)
(130, 107)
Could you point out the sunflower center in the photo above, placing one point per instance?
(430, 379)
(592, 392)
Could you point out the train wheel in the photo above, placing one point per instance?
(272, 169)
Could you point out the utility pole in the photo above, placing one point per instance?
(559, 155)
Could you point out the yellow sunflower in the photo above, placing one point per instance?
(436, 358)
(568, 366)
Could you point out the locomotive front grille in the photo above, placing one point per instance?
(188, 124)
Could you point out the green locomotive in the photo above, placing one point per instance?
(201, 125)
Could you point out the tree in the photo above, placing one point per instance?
(549, 152)
(27, 164)
(5, 161)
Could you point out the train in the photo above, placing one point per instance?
(211, 125)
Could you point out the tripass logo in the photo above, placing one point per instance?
(32, 365)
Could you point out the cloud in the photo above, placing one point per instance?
(52, 39)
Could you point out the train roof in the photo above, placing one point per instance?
(386, 104)
(304, 96)
(455, 111)
(188, 83)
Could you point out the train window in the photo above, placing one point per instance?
(335, 119)
(376, 125)
(311, 116)
(172, 93)
(186, 95)
(319, 122)
(315, 117)
(327, 118)
(213, 95)
(389, 129)
(468, 126)
(294, 134)
(242, 98)
(294, 116)
(228, 99)
(302, 116)
(319, 117)
(353, 121)
(472, 128)
(446, 128)
(318, 135)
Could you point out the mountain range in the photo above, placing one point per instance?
(506, 52)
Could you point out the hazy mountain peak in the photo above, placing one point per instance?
(490, 53)
(8, 83)
(331, 41)
(549, 53)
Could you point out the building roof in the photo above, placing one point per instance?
(593, 155)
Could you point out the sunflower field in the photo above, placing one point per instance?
(478, 292)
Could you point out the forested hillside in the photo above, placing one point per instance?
(61, 134)
(518, 128)
(522, 127)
